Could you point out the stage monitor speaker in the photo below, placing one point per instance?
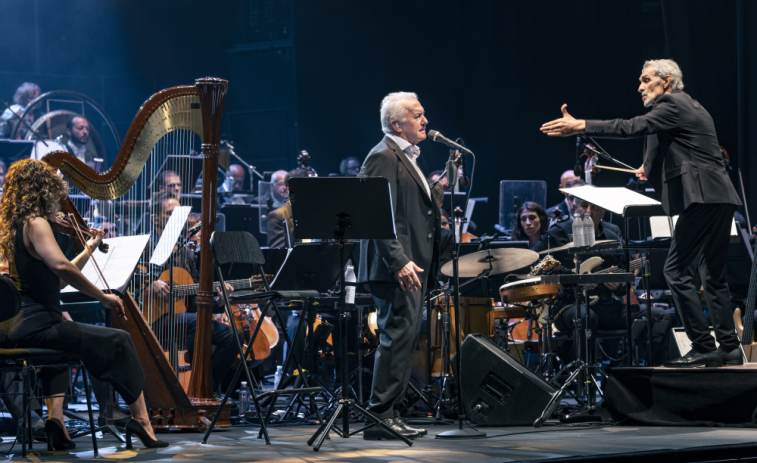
(497, 390)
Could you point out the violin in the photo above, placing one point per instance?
(75, 225)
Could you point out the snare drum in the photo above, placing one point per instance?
(530, 289)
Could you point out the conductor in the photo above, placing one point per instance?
(683, 162)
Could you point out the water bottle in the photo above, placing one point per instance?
(277, 376)
(578, 231)
(589, 237)
(244, 398)
(350, 284)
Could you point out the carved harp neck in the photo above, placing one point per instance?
(197, 108)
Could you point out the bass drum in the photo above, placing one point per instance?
(52, 126)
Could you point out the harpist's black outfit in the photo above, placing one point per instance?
(109, 354)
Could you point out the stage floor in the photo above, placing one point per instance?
(240, 444)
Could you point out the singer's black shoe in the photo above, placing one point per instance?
(694, 359)
(403, 424)
(133, 427)
(733, 357)
(377, 432)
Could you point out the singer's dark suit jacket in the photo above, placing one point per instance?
(416, 219)
(682, 158)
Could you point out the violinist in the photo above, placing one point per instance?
(162, 205)
(37, 266)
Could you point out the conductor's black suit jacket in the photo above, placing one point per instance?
(416, 219)
(682, 158)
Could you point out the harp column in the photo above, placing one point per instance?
(212, 93)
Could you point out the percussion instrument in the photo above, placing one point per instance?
(495, 261)
(530, 289)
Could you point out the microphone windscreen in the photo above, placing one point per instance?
(433, 133)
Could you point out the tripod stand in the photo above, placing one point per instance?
(361, 208)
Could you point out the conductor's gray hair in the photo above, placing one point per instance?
(664, 68)
(392, 110)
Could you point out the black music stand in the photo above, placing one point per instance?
(343, 208)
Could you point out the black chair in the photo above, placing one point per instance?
(26, 360)
(241, 249)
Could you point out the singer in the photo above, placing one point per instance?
(398, 270)
(682, 160)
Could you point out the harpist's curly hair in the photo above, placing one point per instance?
(31, 189)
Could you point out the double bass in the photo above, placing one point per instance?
(171, 119)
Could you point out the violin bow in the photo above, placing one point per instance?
(92, 257)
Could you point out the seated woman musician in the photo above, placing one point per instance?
(531, 222)
(31, 196)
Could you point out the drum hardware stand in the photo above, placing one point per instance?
(459, 433)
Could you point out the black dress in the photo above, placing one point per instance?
(108, 353)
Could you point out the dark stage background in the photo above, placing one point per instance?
(311, 75)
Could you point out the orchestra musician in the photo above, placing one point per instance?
(162, 205)
(25, 93)
(349, 167)
(170, 181)
(398, 270)
(531, 222)
(565, 206)
(280, 223)
(38, 268)
(683, 162)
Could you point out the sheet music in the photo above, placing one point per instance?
(613, 199)
(170, 235)
(117, 264)
(661, 227)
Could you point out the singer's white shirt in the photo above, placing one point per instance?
(402, 143)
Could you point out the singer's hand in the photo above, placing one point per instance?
(407, 276)
(641, 174)
(565, 126)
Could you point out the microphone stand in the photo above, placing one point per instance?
(251, 169)
(459, 433)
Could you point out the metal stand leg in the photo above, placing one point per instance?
(89, 408)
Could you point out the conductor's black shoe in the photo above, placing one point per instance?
(403, 424)
(377, 432)
(733, 357)
(694, 359)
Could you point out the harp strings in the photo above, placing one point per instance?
(170, 163)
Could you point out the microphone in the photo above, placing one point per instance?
(436, 136)
(578, 169)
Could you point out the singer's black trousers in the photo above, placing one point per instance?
(399, 323)
(700, 243)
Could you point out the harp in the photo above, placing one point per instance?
(168, 121)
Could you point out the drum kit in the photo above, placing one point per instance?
(524, 320)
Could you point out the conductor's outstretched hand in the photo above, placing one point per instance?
(566, 126)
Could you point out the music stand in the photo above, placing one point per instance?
(630, 204)
(311, 266)
(343, 208)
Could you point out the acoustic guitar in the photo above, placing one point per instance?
(184, 285)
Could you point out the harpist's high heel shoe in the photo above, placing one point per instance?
(133, 427)
(56, 438)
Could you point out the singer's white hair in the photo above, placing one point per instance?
(392, 110)
(664, 68)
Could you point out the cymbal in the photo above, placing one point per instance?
(502, 260)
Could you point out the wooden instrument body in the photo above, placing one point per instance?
(168, 404)
(197, 108)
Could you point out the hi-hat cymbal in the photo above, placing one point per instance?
(502, 260)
